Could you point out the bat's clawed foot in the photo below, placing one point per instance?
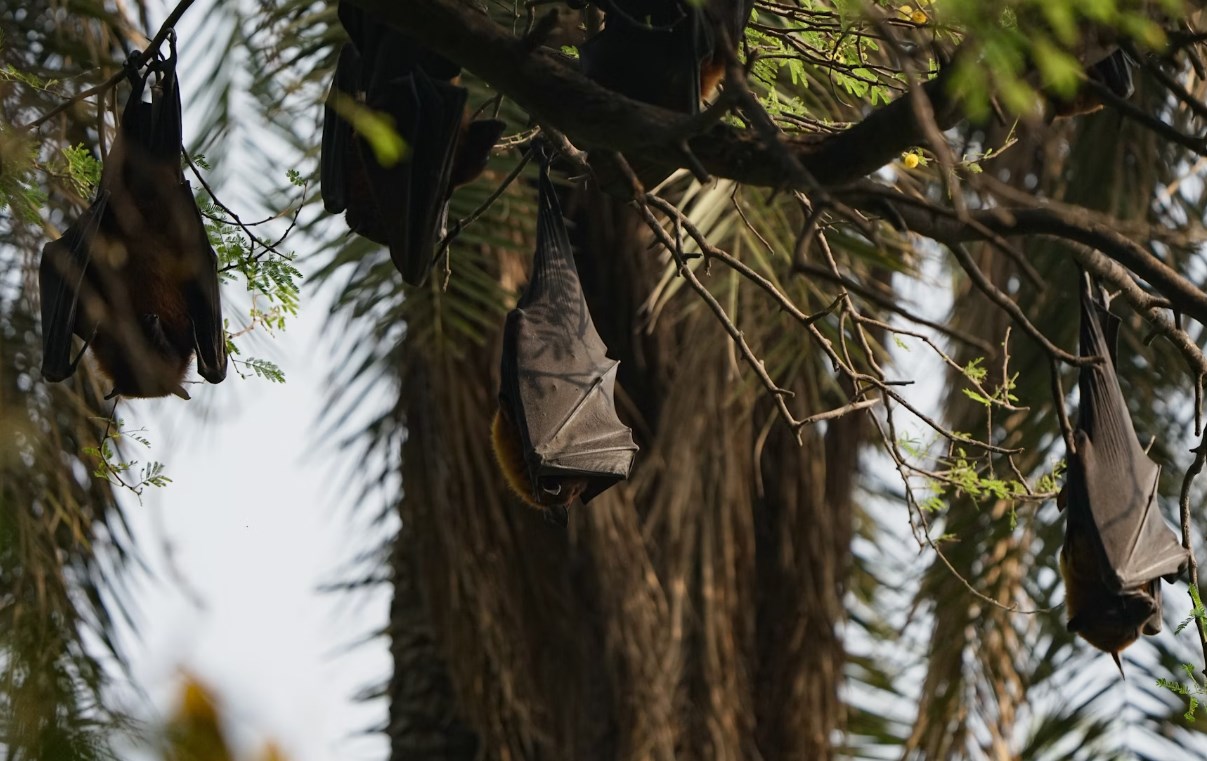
(558, 515)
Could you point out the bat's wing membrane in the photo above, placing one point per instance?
(441, 109)
(1119, 481)
(1115, 71)
(650, 52)
(407, 203)
(63, 284)
(590, 440)
(390, 187)
(196, 256)
(1121, 491)
(203, 299)
(411, 196)
(337, 132)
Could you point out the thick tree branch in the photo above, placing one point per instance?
(1064, 222)
(554, 92)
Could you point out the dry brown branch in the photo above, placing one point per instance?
(1060, 221)
(843, 362)
(1196, 467)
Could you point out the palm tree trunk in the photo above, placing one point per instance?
(691, 613)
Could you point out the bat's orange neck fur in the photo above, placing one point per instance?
(509, 452)
(711, 74)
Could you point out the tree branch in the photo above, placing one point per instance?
(556, 93)
(1055, 220)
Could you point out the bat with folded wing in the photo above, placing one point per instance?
(650, 51)
(1113, 72)
(399, 202)
(135, 276)
(1117, 546)
(663, 52)
(556, 434)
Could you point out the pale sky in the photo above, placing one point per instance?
(255, 522)
(256, 519)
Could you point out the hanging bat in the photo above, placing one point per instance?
(1117, 546)
(556, 433)
(650, 51)
(403, 205)
(1113, 72)
(135, 276)
(662, 52)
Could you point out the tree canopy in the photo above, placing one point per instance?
(847, 332)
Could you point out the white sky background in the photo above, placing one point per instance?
(255, 520)
(254, 525)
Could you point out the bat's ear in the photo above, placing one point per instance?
(1062, 497)
(1076, 624)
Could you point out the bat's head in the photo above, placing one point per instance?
(552, 494)
(142, 356)
(1109, 622)
(1111, 636)
(141, 373)
(1107, 619)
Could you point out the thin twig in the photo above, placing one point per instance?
(1196, 467)
(1009, 307)
(460, 225)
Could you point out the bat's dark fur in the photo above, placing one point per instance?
(1114, 72)
(135, 276)
(557, 434)
(1117, 546)
(404, 205)
(663, 52)
(651, 52)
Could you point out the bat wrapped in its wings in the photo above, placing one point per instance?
(135, 276)
(556, 434)
(401, 204)
(1117, 546)
(1114, 72)
(650, 51)
(662, 52)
